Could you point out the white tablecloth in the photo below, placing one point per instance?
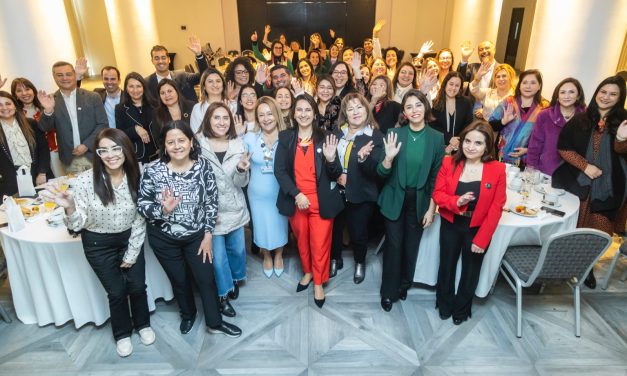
(512, 230)
(52, 282)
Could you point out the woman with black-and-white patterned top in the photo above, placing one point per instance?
(179, 197)
(103, 207)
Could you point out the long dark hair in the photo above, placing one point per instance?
(25, 127)
(102, 181)
(616, 114)
(182, 126)
(317, 132)
(242, 60)
(439, 103)
(581, 99)
(240, 109)
(27, 84)
(205, 126)
(163, 114)
(536, 98)
(485, 129)
(402, 119)
(147, 98)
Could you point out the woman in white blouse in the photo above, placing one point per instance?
(103, 207)
(502, 85)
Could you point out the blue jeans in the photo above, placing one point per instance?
(229, 259)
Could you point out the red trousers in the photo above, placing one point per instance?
(313, 235)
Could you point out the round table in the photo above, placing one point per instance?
(512, 229)
(52, 282)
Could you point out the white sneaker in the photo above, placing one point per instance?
(124, 347)
(147, 336)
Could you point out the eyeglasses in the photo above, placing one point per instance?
(249, 95)
(341, 73)
(113, 151)
(241, 71)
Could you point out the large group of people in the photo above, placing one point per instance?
(314, 141)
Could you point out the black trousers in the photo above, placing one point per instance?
(356, 217)
(402, 238)
(104, 252)
(456, 238)
(177, 256)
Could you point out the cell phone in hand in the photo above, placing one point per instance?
(553, 211)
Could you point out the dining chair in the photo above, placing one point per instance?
(567, 256)
(622, 251)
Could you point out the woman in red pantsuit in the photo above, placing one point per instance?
(306, 167)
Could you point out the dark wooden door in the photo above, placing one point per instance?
(298, 19)
(513, 37)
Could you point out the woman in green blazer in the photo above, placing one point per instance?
(413, 154)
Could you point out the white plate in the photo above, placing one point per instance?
(556, 205)
(512, 209)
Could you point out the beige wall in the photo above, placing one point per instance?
(94, 33)
(409, 23)
(203, 18)
(474, 21)
(525, 32)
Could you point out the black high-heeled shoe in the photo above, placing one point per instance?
(320, 302)
(301, 287)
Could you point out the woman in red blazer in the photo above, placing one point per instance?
(470, 192)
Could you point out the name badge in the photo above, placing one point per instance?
(267, 169)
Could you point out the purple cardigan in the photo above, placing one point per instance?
(542, 153)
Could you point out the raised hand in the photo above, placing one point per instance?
(427, 81)
(193, 43)
(297, 87)
(168, 201)
(80, 67)
(266, 30)
(465, 199)
(329, 148)
(508, 114)
(54, 193)
(332, 33)
(142, 133)
(355, 64)
(426, 48)
(244, 162)
(238, 122)
(365, 151)
(391, 147)
(253, 37)
(231, 93)
(205, 248)
(46, 100)
(261, 73)
(377, 28)
(466, 49)
(2, 81)
(483, 70)
(621, 132)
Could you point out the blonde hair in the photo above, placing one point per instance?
(510, 72)
(276, 112)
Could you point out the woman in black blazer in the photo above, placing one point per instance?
(359, 150)
(172, 105)
(135, 116)
(28, 147)
(452, 111)
(306, 167)
(384, 108)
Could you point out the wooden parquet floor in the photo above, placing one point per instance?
(284, 333)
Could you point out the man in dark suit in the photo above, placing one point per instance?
(485, 50)
(76, 114)
(184, 80)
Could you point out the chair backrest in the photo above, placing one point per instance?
(571, 254)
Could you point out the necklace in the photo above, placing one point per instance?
(472, 169)
(567, 117)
